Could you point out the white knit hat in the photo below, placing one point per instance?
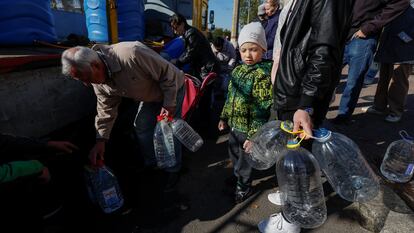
(255, 33)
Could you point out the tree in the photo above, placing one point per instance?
(221, 32)
(248, 11)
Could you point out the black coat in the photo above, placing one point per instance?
(397, 40)
(313, 39)
(198, 52)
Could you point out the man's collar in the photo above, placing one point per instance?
(106, 55)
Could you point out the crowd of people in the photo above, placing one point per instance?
(290, 65)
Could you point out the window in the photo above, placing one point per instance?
(67, 5)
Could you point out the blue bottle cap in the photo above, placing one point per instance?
(322, 134)
(293, 143)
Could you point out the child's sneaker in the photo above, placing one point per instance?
(242, 193)
(276, 223)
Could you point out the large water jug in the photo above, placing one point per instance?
(96, 20)
(23, 21)
(398, 163)
(344, 166)
(186, 135)
(268, 142)
(103, 187)
(299, 180)
(164, 143)
(131, 25)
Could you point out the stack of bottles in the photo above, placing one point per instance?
(398, 163)
(299, 180)
(103, 187)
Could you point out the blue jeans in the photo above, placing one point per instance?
(145, 122)
(358, 55)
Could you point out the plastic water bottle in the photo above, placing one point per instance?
(186, 135)
(103, 188)
(398, 163)
(299, 179)
(164, 143)
(344, 166)
(268, 142)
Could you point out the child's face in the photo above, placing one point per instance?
(251, 53)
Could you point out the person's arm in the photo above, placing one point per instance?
(328, 21)
(392, 10)
(190, 48)
(13, 170)
(107, 108)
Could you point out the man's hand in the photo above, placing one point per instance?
(359, 34)
(247, 146)
(167, 111)
(222, 125)
(64, 146)
(97, 152)
(301, 119)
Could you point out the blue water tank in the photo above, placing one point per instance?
(23, 21)
(131, 25)
(96, 20)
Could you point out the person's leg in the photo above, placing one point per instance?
(381, 94)
(145, 122)
(398, 90)
(372, 72)
(360, 53)
(242, 170)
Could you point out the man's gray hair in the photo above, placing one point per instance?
(79, 58)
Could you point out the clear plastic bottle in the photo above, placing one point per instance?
(398, 163)
(103, 187)
(299, 179)
(164, 143)
(186, 135)
(344, 166)
(268, 142)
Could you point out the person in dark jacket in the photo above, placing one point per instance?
(369, 17)
(197, 48)
(272, 9)
(312, 38)
(396, 55)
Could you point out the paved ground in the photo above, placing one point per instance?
(212, 210)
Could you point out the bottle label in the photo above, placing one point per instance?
(110, 196)
(410, 169)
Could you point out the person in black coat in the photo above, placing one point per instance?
(197, 51)
(396, 55)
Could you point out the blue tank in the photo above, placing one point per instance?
(131, 26)
(96, 20)
(23, 21)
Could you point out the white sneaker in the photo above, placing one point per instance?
(275, 198)
(276, 223)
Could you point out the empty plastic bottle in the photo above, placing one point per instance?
(299, 179)
(398, 163)
(164, 143)
(268, 142)
(103, 187)
(186, 135)
(344, 166)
